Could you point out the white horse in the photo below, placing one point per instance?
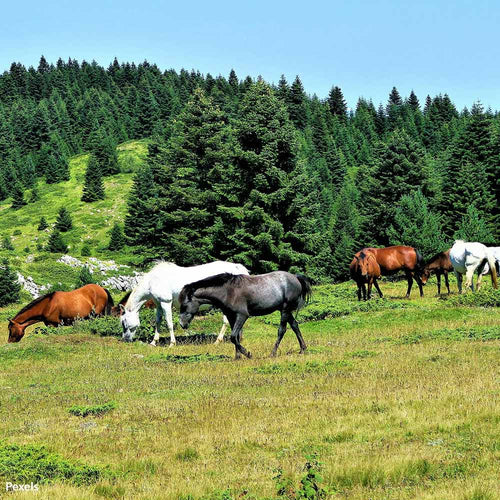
(163, 284)
(466, 258)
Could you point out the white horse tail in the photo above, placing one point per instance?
(493, 269)
(491, 261)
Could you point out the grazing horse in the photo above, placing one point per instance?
(163, 285)
(240, 297)
(364, 269)
(61, 308)
(468, 257)
(117, 310)
(400, 258)
(440, 265)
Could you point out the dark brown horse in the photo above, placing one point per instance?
(439, 264)
(364, 270)
(61, 308)
(117, 310)
(400, 258)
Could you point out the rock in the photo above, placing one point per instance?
(30, 286)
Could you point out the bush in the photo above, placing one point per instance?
(84, 277)
(485, 297)
(85, 251)
(34, 463)
(96, 410)
(10, 288)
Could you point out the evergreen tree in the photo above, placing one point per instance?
(35, 194)
(56, 243)
(417, 226)
(18, 200)
(399, 169)
(42, 224)
(93, 189)
(7, 243)
(10, 288)
(413, 101)
(297, 104)
(63, 221)
(473, 227)
(85, 277)
(117, 238)
(336, 102)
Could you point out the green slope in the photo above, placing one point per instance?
(92, 221)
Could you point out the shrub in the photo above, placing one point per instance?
(84, 277)
(10, 288)
(85, 251)
(26, 463)
(96, 410)
(485, 297)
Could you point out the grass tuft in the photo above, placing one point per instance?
(84, 411)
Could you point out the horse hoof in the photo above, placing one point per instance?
(152, 343)
(172, 344)
(249, 355)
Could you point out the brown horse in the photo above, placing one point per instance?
(364, 270)
(439, 264)
(117, 310)
(400, 258)
(61, 308)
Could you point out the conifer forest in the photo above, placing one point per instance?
(254, 172)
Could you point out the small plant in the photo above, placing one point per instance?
(85, 251)
(85, 277)
(6, 243)
(180, 359)
(56, 243)
(117, 238)
(84, 411)
(187, 455)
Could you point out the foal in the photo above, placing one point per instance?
(440, 264)
(364, 269)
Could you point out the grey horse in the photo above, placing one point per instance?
(241, 296)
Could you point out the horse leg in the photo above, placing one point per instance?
(469, 279)
(295, 328)
(363, 288)
(378, 288)
(220, 337)
(438, 276)
(159, 315)
(359, 291)
(409, 277)
(447, 283)
(237, 326)
(370, 283)
(167, 309)
(281, 332)
(420, 285)
(459, 281)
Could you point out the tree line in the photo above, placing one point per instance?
(263, 174)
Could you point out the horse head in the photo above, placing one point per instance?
(188, 306)
(130, 322)
(16, 332)
(426, 273)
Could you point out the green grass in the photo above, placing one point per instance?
(398, 403)
(95, 410)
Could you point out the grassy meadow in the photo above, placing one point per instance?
(398, 400)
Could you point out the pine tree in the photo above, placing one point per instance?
(413, 101)
(336, 102)
(63, 222)
(117, 238)
(297, 104)
(85, 277)
(42, 224)
(473, 227)
(93, 189)
(417, 226)
(18, 200)
(7, 243)
(10, 288)
(56, 243)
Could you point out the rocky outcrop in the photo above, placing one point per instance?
(31, 287)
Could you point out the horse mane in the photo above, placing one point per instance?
(34, 302)
(124, 299)
(432, 259)
(217, 280)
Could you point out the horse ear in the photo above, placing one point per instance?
(122, 308)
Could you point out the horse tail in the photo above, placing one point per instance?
(306, 292)
(109, 304)
(420, 261)
(493, 269)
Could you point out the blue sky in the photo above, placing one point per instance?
(365, 47)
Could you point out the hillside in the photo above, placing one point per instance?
(92, 221)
